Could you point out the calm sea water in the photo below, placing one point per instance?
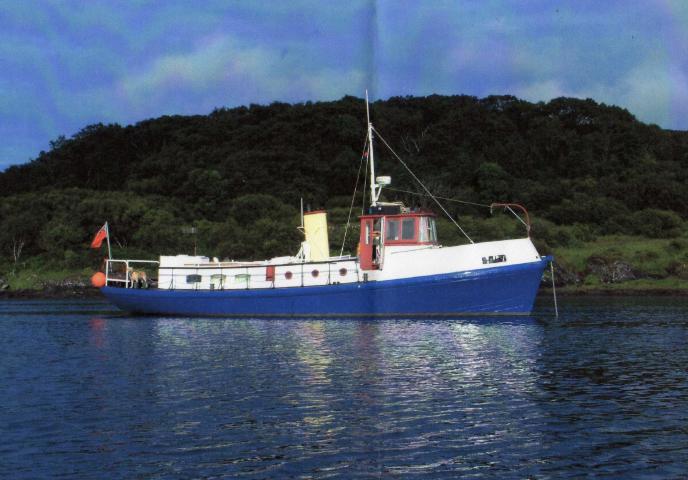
(600, 392)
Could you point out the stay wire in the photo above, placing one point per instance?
(353, 197)
(422, 185)
(454, 200)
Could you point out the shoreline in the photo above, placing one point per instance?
(58, 293)
(52, 293)
(615, 292)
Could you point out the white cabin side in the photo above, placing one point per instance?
(183, 272)
(416, 261)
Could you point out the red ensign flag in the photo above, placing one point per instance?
(100, 236)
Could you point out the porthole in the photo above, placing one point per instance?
(288, 275)
(342, 272)
(315, 273)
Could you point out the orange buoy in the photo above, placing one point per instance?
(98, 279)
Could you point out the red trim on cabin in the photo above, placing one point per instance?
(371, 242)
(399, 215)
(366, 245)
(270, 273)
(407, 242)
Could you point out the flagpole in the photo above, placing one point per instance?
(107, 235)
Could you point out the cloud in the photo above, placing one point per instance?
(223, 68)
(62, 68)
(541, 91)
(656, 93)
(653, 91)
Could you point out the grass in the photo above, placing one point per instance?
(660, 264)
(35, 279)
(669, 285)
(649, 257)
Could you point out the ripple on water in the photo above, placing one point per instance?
(601, 391)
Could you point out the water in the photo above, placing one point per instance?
(600, 392)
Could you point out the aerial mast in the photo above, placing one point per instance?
(373, 194)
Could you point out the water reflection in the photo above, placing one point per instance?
(601, 389)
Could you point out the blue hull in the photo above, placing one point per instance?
(499, 290)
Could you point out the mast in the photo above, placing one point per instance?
(373, 195)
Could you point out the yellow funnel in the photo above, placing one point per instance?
(315, 227)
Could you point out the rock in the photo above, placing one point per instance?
(610, 271)
(3, 284)
(565, 276)
(678, 269)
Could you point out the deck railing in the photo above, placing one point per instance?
(116, 277)
(225, 277)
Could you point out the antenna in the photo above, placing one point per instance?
(302, 226)
(373, 195)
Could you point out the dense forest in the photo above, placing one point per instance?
(237, 176)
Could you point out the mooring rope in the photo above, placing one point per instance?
(554, 289)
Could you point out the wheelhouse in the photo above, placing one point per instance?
(390, 226)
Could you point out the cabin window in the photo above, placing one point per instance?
(392, 230)
(367, 233)
(428, 232)
(217, 280)
(193, 279)
(342, 272)
(377, 229)
(408, 229)
(315, 273)
(288, 275)
(423, 231)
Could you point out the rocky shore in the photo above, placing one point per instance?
(50, 290)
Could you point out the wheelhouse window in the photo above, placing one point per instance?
(428, 230)
(392, 230)
(408, 229)
(193, 279)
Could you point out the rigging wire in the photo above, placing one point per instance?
(455, 200)
(353, 197)
(422, 185)
(475, 204)
(365, 181)
(519, 218)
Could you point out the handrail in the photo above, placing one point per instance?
(210, 266)
(170, 276)
(508, 206)
(127, 275)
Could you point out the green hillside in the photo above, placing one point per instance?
(586, 171)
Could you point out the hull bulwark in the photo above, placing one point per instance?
(501, 290)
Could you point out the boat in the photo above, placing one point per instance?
(400, 269)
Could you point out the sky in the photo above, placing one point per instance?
(68, 64)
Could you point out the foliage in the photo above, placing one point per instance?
(235, 177)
